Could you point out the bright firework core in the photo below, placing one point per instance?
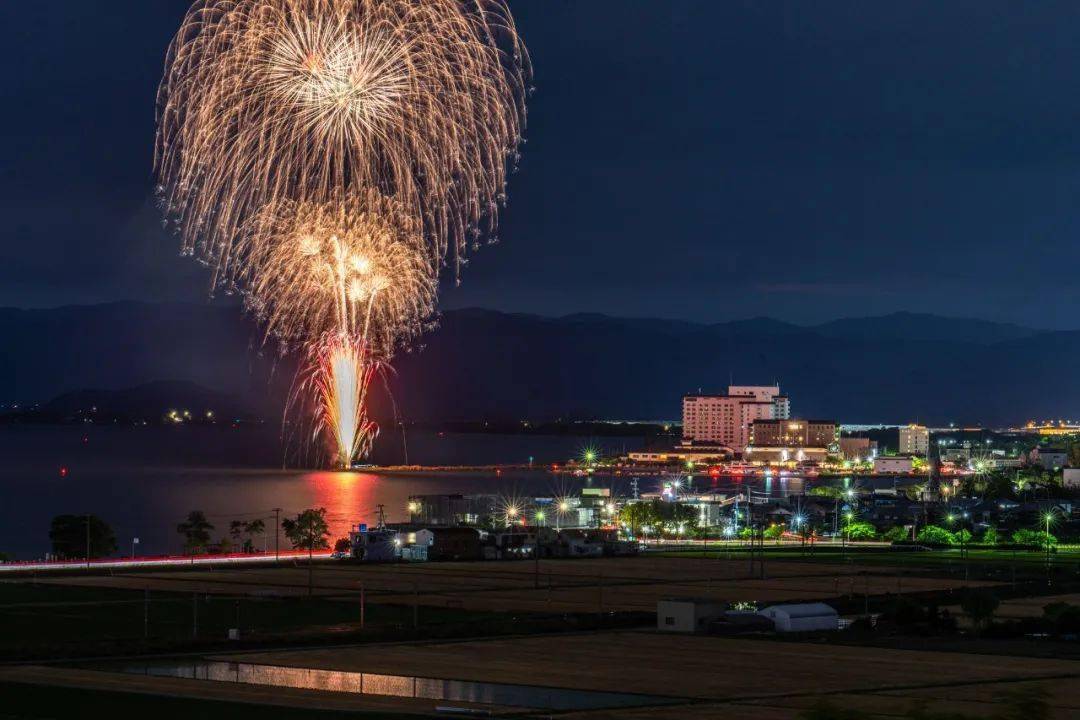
(344, 379)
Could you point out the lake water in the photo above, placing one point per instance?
(144, 481)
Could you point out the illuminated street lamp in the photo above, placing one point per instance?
(1048, 517)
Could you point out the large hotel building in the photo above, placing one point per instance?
(726, 419)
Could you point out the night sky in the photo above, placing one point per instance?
(706, 160)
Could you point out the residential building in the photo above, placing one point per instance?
(687, 615)
(1071, 477)
(725, 419)
(1049, 458)
(893, 464)
(858, 449)
(451, 509)
(914, 440)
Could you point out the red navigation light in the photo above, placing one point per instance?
(85, 439)
(63, 471)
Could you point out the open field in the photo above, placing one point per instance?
(563, 586)
(728, 677)
(704, 677)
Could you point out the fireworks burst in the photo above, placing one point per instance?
(356, 267)
(271, 101)
(325, 157)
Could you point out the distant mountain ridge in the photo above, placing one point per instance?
(152, 401)
(485, 364)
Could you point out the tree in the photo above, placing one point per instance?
(897, 534)
(934, 535)
(990, 536)
(637, 515)
(774, 532)
(308, 532)
(1033, 537)
(196, 531)
(860, 531)
(68, 534)
(251, 529)
(827, 491)
(343, 545)
(979, 606)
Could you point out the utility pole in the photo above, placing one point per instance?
(88, 540)
(277, 538)
(381, 515)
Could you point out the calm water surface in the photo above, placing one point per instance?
(144, 481)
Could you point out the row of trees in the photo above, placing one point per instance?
(658, 517)
(307, 531)
(82, 536)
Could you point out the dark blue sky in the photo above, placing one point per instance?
(694, 159)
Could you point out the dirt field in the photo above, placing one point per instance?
(560, 585)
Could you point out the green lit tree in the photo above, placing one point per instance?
(897, 534)
(934, 535)
(637, 515)
(857, 530)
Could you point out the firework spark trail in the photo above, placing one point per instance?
(350, 281)
(326, 157)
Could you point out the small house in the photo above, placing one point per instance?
(687, 615)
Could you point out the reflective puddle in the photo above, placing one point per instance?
(524, 696)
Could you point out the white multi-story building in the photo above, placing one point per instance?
(914, 440)
(726, 419)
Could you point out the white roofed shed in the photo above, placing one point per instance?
(804, 617)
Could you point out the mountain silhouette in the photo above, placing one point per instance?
(481, 364)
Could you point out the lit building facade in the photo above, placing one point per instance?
(858, 449)
(792, 440)
(914, 440)
(794, 433)
(726, 419)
